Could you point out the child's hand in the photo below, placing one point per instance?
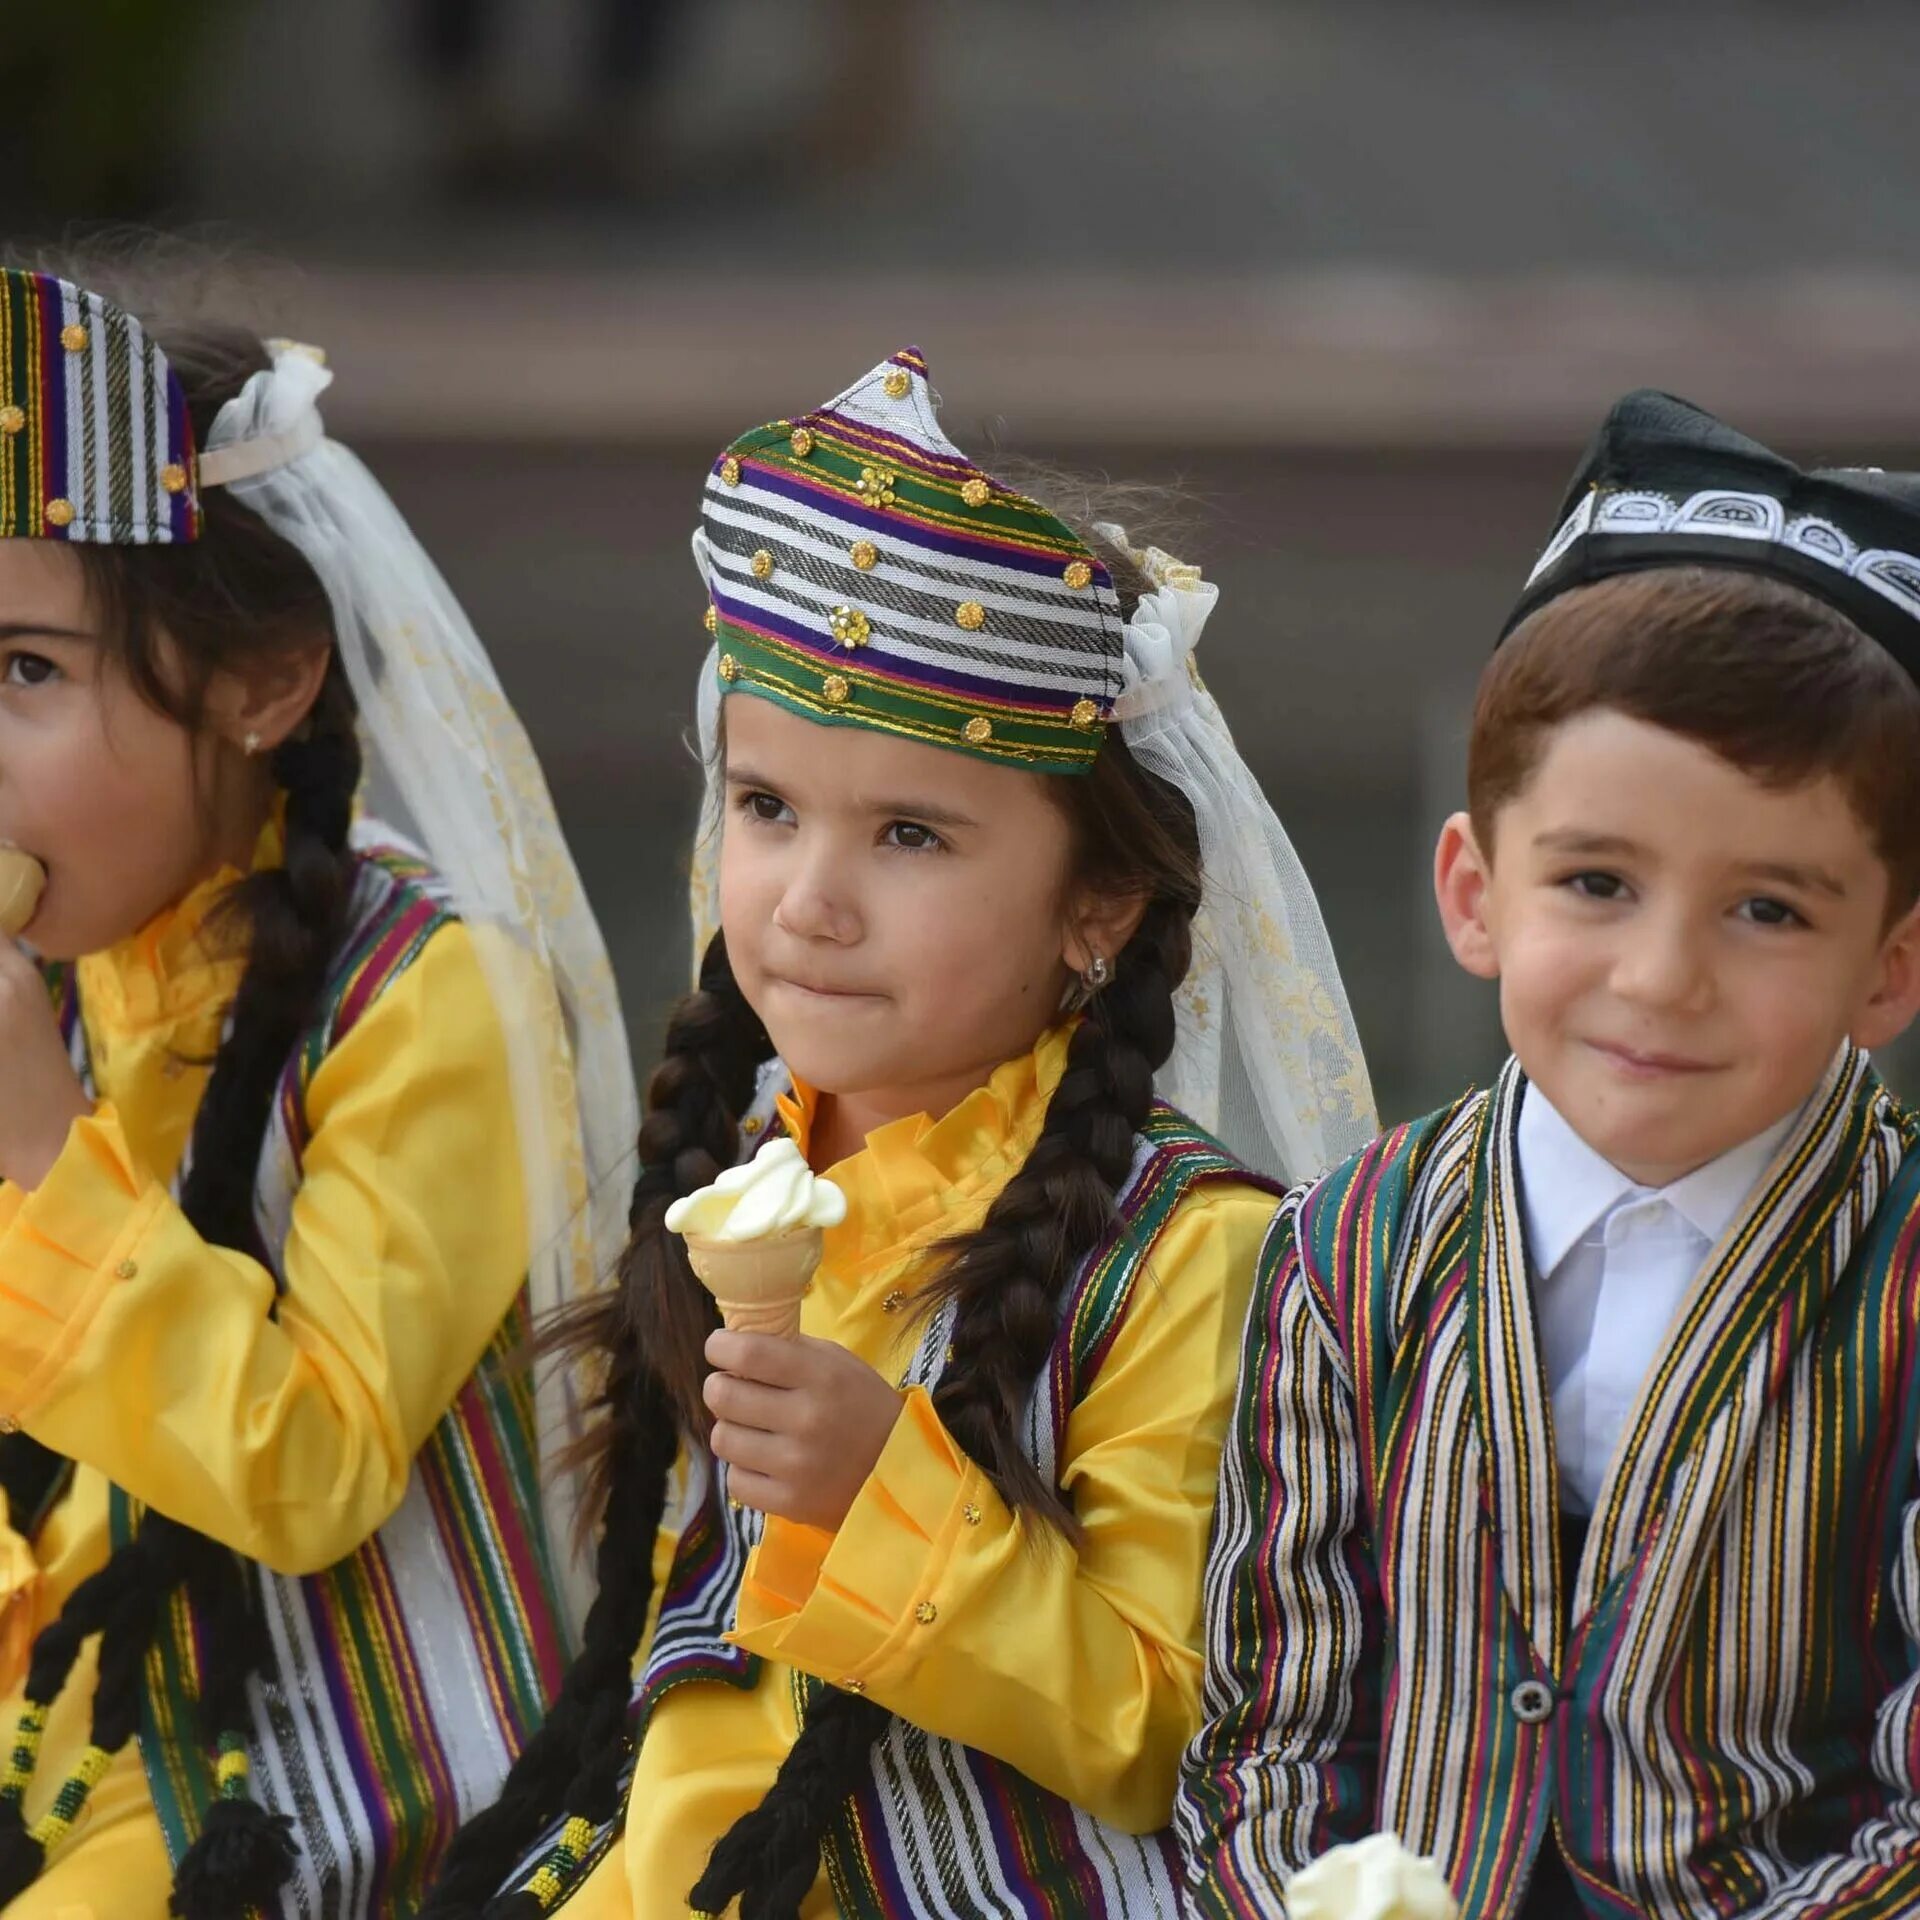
(800, 1423)
(40, 1095)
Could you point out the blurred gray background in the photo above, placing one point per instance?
(1356, 276)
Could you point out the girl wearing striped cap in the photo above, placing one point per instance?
(901, 1615)
(281, 1180)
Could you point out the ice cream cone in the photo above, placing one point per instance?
(760, 1283)
(22, 881)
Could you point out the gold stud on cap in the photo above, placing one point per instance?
(978, 730)
(801, 441)
(875, 487)
(729, 667)
(73, 337)
(971, 615)
(1078, 574)
(837, 691)
(12, 419)
(897, 384)
(1085, 713)
(174, 477)
(762, 564)
(711, 618)
(976, 493)
(863, 554)
(59, 513)
(849, 626)
(730, 471)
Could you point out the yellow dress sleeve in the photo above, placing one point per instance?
(1080, 1668)
(129, 1343)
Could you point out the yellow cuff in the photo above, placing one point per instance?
(853, 1605)
(62, 1249)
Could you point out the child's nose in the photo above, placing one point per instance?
(816, 903)
(1663, 965)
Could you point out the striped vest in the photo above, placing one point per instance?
(1731, 1725)
(406, 1677)
(940, 1829)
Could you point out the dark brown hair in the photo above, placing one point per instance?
(1133, 837)
(172, 617)
(1776, 682)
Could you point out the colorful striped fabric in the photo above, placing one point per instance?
(1733, 1725)
(941, 1831)
(864, 572)
(406, 1677)
(95, 442)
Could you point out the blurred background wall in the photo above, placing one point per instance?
(1357, 276)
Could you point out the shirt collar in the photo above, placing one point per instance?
(1566, 1187)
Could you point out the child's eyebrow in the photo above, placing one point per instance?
(1574, 840)
(926, 812)
(38, 630)
(1790, 873)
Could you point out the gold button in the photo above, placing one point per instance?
(174, 478)
(1085, 713)
(74, 337)
(976, 493)
(893, 1302)
(8, 1424)
(1078, 574)
(970, 1514)
(853, 1686)
(863, 554)
(897, 384)
(127, 1269)
(751, 1125)
(729, 667)
(971, 615)
(926, 1613)
(875, 487)
(801, 441)
(12, 419)
(762, 564)
(733, 1504)
(730, 471)
(849, 626)
(710, 619)
(978, 730)
(59, 513)
(837, 691)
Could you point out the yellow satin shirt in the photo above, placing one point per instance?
(1082, 1670)
(153, 1360)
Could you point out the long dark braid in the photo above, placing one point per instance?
(1005, 1281)
(657, 1318)
(175, 617)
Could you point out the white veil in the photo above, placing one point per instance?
(449, 769)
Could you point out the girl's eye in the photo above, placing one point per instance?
(764, 806)
(911, 837)
(1596, 886)
(1764, 912)
(30, 670)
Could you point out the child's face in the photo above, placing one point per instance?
(897, 914)
(108, 794)
(1680, 949)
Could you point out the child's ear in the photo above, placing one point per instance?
(1461, 874)
(258, 705)
(1100, 924)
(1895, 997)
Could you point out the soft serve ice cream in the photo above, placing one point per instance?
(22, 880)
(1371, 1879)
(754, 1237)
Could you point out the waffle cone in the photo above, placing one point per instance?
(758, 1284)
(22, 880)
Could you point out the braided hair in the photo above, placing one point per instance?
(1133, 837)
(173, 617)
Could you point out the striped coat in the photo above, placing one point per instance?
(1732, 1724)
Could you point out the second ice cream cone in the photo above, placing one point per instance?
(758, 1284)
(22, 880)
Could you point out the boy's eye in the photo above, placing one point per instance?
(1766, 912)
(1596, 886)
(30, 670)
(911, 837)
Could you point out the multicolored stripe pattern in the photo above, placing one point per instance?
(95, 441)
(1733, 1725)
(863, 572)
(406, 1677)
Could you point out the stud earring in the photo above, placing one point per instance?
(252, 743)
(1098, 973)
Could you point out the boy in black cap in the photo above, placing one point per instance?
(1570, 1526)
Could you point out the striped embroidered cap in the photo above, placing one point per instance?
(864, 572)
(95, 442)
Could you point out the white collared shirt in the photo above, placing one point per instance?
(1612, 1262)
